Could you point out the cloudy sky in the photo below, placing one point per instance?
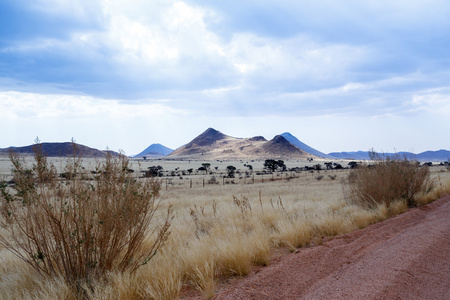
(339, 75)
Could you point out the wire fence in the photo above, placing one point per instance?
(196, 181)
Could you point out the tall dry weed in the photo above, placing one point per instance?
(80, 226)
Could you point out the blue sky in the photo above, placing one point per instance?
(339, 75)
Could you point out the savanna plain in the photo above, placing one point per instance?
(209, 228)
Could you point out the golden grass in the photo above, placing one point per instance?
(215, 235)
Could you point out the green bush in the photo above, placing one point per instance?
(81, 226)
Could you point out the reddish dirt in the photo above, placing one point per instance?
(405, 257)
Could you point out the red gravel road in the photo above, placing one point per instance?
(406, 257)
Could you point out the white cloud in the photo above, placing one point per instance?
(16, 105)
(163, 63)
(162, 33)
(433, 101)
(170, 42)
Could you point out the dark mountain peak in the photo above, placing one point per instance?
(281, 146)
(287, 134)
(257, 139)
(209, 137)
(296, 142)
(279, 139)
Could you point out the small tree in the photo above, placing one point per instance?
(337, 166)
(154, 171)
(231, 170)
(274, 165)
(207, 166)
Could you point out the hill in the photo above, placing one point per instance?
(213, 144)
(59, 150)
(296, 142)
(440, 155)
(155, 151)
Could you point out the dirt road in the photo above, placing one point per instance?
(406, 257)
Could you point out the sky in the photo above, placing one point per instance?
(340, 75)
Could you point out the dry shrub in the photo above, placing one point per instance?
(389, 179)
(82, 226)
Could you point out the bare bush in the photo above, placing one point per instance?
(389, 178)
(77, 228)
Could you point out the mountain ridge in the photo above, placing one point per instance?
(64, 149)
(438, 155)
(213, 144)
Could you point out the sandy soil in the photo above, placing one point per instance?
(406, 257)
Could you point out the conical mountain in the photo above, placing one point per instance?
(207, 138)
(201, 143)
(296, 142)
(279, 146)
(155, 150)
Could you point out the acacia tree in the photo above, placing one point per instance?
(207, 166)
(274, 165)
(154, 171)
(231, 170)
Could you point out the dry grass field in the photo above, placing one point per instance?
(218, 230)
